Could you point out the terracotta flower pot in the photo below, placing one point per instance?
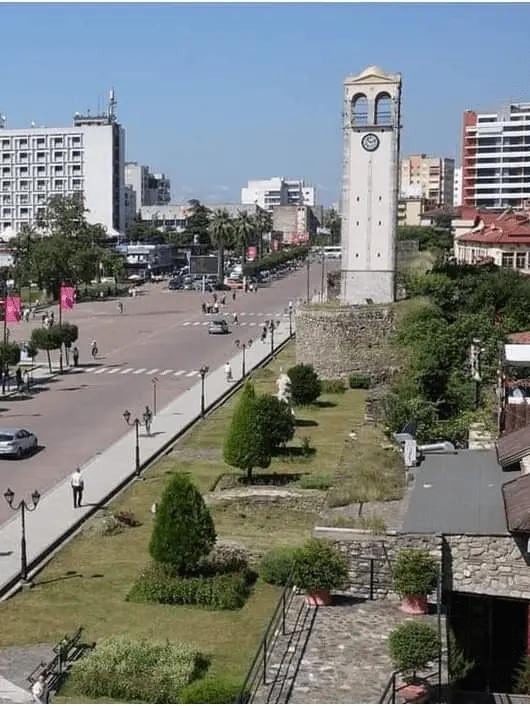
(316, 598)
(414, 605)
(414, 693)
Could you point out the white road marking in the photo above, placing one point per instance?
(179, 372)
(154, 370)
(243, 313)
(100, 370)
(113, 370)
(196, 323)
(80, 370)
(205, 323)
(192, 373)
(243, 323)
(186, 323)
(253, 323)
(139, 371)
(166, 372)
(127, 370)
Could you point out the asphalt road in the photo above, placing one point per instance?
(161, 333)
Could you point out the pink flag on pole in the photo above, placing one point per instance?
(13, 310)
(67, 297)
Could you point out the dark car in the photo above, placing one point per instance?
(174, 284)
(218, 326)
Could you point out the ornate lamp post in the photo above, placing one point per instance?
(270, 326)
(243, 347)
(202, 372)
(9, 495)
(155, 383)
(289, 311)
(147, 417)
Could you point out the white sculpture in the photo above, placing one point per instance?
(284, 387)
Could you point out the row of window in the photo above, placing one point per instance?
(24, 184)
(382, 109)
(44, 169)
(519, 259)
(7, 143)
(28, 157)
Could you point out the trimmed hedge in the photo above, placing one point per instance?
(215, 591)
(305, 385)
(137, 670)
(319, 565)
(412, 645)
(277, 565)
(316, 481)
(359, 381)
(211, 690)
(334, 387)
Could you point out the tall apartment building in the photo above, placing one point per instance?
(424, 176)
(457, 191)
(496, 157)
(277, 191)
(39, 162)
(150, 189)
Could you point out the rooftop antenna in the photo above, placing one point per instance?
(112, 104)
(2, 120)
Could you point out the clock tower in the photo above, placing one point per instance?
(371, 124)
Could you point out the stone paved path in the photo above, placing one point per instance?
(16, 663)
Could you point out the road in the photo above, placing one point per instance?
(161, 333)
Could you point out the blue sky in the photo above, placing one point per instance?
(216, 94)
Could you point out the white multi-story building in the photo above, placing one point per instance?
(431, 178)
(277, 191)
(496, 157)
(150, 189)
(40, 162)
(457, 192)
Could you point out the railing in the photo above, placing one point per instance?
(66, 651)
(378, 572)
(257, 674)
(392, 689)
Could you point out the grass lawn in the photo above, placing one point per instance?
(86, 583)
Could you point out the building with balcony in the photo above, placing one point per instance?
(37, 163)
(410, 210)
(277, 191)
(431, 178)
(496, 157)
(150, 189)
(457, 191)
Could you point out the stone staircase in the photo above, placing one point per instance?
(480, 439)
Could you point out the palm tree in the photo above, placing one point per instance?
(264, 225)
(245, 229)
(221, 231)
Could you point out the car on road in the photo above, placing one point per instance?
(188, 283)
(218, 326)
(233, 283)
(175, 284)
(17, 442)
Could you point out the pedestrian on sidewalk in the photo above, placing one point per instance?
(223, 300)
(18, 377)
(216, 307)
(233, 295)
(26, 381)
(120, 307)
(75, 354)
(204, 307)
(236, 320)
(228, 372)
(214, 298)
(52, 318)
(148, 418)
(44, 319)
(39, 691)
(76, 481)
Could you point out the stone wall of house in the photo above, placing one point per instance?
(406, 250)
(493, 565)
(339, 340)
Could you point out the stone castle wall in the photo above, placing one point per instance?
(339, 340)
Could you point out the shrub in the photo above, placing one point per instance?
(246, 444)
(415, 573)
(315, 481)
(183, 531)
(277, 565)
(137, 670)
(320, 566)
(211, 690)
(333, 387)
(127, 518)
(276, 420)
(217, 591)
(412, 645)
(521, 676)
(359, 381)
(305, 385)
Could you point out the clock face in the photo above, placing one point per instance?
(370, 142)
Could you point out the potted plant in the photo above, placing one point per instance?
(415, 576)
(412, 646)
(319, 568)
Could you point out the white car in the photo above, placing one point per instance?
(17, 442)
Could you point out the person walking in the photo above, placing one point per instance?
(75, 354)
(235, 319)
(233, 295)
(39, 691)
(26, 380)
(148, 418)
(228, 372)
(76, 481)
(18, 377)
(204, 308)
(223, 300)
(216, 307)
(120, 307)
(94, 348)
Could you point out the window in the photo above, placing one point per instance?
(76, 183)
(6, 170)
(58, 155)
(40, 156)
(58, 184)
(22, 142)
(58, 141)
(359, 110)
(23, 171)
(6, 185)
(23, 156)
(520, 260)
(6, 212)
(41, 184)
(507, 259)
(6, 144)
(24, 212)
(76, 154)
(76, 140)
(58, 169)
(41, 170)
(41, 141)
(76, 169)
(7, 224)
(6, 157)
(24, 198)
(6, 199)
(383, 109)
(23, 184)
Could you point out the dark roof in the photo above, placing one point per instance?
(513, 446)
(458, 494)
(516, 494)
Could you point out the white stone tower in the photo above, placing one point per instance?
(370, 186)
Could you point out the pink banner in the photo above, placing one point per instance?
(13, 310)
(67, 297)
(252, 252)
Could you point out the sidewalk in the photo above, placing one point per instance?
(55, 518)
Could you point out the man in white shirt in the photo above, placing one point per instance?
(76, 481)
(39, 691)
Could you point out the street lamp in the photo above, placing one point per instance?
(270, 326)
(9, 495)
(243, 347)
(155, 383)
(202, 372)
(289, 311)
(136, 423)
(307, 264)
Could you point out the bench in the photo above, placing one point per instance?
(66, 651)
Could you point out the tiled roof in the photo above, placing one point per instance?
(507, 228)
(519, 337)
(516, 495)
(513, 447)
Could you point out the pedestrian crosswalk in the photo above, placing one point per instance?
(113, 370)
(240, 315)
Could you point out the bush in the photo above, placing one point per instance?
(332, 387)
(217, 591)
(415, 573)
(211, 690)
(305, 385)
(521, 676)
(277, 565)
(275, 419)
(358, 381)
(412, 645)
(320, 566)
(137, 670)
(127, 518)
(183, 531)
(315, 481)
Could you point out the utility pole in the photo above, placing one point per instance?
(307, 278)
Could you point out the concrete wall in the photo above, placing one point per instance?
(340, 340)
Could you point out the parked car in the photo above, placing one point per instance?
(17, 442)
(218, 326)
(188, 282)
(175, 284)
(233, 283)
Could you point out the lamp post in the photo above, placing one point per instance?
(243, 347)
(323, 265)
(270, 326)
(155, 383)
(136, 423)
(202, 372)
(289, 311)
(9, 495)
(6, 336)
(307, 278)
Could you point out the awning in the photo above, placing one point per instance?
(517, 354)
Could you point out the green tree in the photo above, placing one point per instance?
(276, 419)
(198, 224)
(305, 385)
(184, 531)
(9, 354)
(221, 231)
(332, 220)
(70, 334)
(47, 339)
(263, 220)
(246, 445)
(245, 232)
